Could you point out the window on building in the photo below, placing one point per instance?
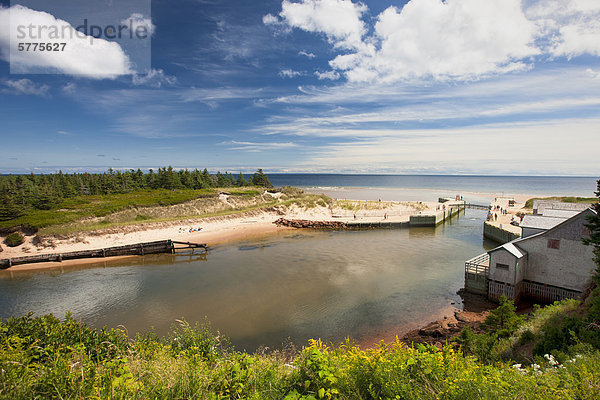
(585, 231)
(502, 266)
(553, 244)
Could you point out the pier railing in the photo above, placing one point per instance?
(479, 265)
(476, 274)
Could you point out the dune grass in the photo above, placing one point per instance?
(99, 212)
(82, 207)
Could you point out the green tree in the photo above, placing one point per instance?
(260, 179)
(8, 209)
(503, 320)
(221, 180)
(240, 180)
(14, 239)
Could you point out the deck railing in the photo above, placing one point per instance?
(478, 266)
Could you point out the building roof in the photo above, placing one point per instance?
(541, 222)
(517, 252)
(566, 214)
(511, 248)
(542, 205)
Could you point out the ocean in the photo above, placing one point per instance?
(507, 185)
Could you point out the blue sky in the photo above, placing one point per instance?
(417, 87)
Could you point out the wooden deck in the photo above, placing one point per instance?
(158, 247)
(476, 274)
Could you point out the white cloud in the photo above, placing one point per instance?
(69, 88)
(364, 111)
(339, 20)
(306, 54)
(290, 73)
(257, 146)
(155, 78)
(333, 75)
(446, 39)
(270, 19)
(592, 73)
(571, 26)
(82, 56)
(462, 39)
(219, 94)
(137, 23)
(25, 86)
(470, 150)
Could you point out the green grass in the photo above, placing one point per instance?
(70, 217)
(76, 227)
(81, 207)
(44, 357)
(75, 215)
(565, 199)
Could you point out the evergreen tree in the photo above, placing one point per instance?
(8, 209)
(260, 179)
(503, 320)
(221, 180)
(20, 192)
(240, 180)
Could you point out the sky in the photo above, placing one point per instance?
(483, 87)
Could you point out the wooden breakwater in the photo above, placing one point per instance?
(157, 247)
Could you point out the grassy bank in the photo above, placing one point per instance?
(46, 358)
(80, 207)
(96, 212)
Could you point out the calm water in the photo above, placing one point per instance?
(434, 185)
(300, 285)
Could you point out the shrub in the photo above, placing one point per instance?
(14, 239)
(503, 320)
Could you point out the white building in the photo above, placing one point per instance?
(550, 265)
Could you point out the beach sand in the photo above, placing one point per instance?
(214, 230)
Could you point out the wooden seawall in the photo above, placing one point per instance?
(158, 247)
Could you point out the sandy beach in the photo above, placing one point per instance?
(216, 230)
(211, 231)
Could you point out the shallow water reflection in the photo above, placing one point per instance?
(298, 285)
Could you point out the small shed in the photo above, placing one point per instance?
(507, 266)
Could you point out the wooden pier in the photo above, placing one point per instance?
(140, 249)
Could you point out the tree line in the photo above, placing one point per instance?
(19, 192)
